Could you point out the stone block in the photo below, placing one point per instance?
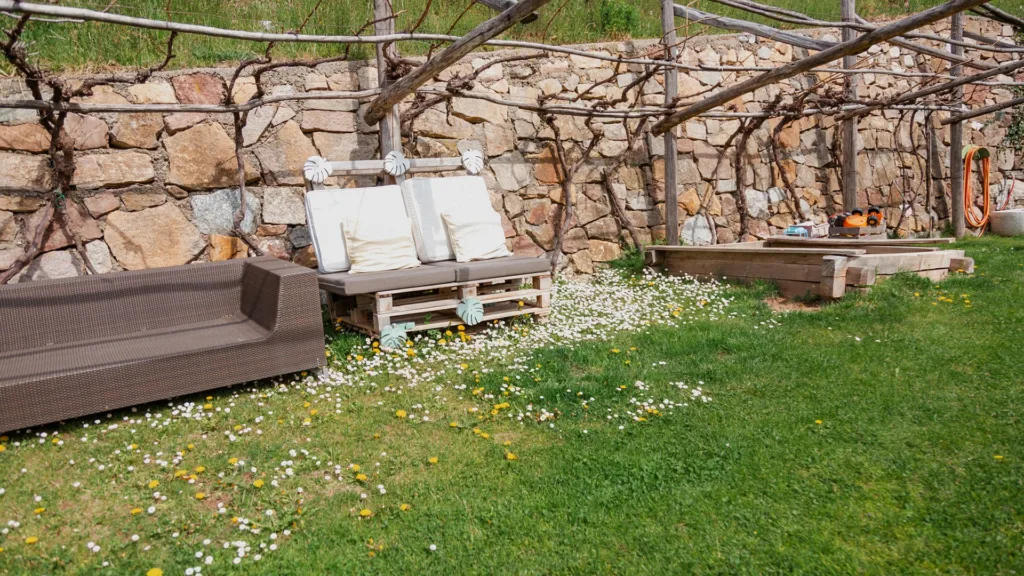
(152, 238)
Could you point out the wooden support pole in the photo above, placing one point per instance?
(859, 44)
(390, 135)
(668, 28)
(956, 137)
(408, 84)
(849, 161)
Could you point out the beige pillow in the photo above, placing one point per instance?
(475, 235)
(379, 242)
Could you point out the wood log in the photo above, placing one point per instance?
(858, 276)
(857, 45)
(394, 94)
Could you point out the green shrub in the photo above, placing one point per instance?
(618, 18)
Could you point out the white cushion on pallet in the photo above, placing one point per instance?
(378, 242)
(427, 198)
(327, 209)
(475, 236)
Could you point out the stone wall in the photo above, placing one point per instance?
(157, 189)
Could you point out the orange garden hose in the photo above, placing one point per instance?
(986, 161)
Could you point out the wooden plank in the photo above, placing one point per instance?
(849, 127)
(801, 259)
(885, 264)
(833, 277)
(764, 270)
(790, 289)
(390, 96)
(859, 44)
(779, 241)
(668, 29)
(773, 250)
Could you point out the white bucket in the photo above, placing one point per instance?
(1008, 222)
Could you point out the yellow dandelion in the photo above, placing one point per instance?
(485, 435)
(200, 496)
(615, 350)
(40, 510)
(510, 456)
(136, 511)
(998, 457)
(232, 461)
(461, 328)
(327, 353)
(361, 477)
(200, 469)
(191, 446)
(453, 424)
(404, 507)
(507, 443)
(400, 413)
(441, 341)
(258, 483)
(355, 467)
(3, 448)
(31, 540)
(365, 513)
(464, 366)
(818, 422)
(432, 459)
(207, 406)
(155, 572)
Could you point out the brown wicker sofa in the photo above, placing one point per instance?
(78, 346)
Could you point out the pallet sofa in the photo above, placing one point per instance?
(801, 267)
(433, 294)
(78, 346)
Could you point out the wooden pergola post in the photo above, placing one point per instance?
(668, 28)
(390, 131)
(849, 146)
(956, 136)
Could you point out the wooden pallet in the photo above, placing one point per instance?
(433, 307)
(820, 271)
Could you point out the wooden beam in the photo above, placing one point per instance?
(394, 94)
(960, 81)
(859, 44)
(998, 15)
(848, 163)
(736, 25)
(502, 5)
(983, 111)
(956, 137)
(668, 29)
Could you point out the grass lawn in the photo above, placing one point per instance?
(881, 434)
(96, 46)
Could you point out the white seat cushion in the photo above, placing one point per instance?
(327, 209)
(427, 198)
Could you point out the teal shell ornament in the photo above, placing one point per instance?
(471, 311)
(394, 335)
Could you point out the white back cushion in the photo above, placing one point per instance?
(378, 242)
(327, 209)
(427, 198)
(475, 236)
